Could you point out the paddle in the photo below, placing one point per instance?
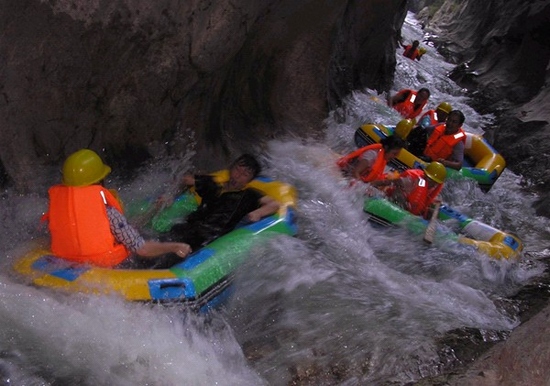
(430, 230)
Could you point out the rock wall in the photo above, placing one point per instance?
(130, 77)
(502, 49)
(521, 361)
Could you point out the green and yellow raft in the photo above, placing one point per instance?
(473, 233)
(200, 282)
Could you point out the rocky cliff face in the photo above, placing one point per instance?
(128, 76)
(502, 49)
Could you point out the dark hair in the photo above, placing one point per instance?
(250, 162)
(393, 142)
(426, 90)
(459, 115)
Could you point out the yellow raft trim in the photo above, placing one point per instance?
(131, 284)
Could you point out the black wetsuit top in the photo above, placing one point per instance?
(218, 213)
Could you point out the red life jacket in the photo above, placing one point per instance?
(407, 108)
(432, 115)
(421, 196)
(79, 225)
(410, 52)
(440, 145)
(377, 169)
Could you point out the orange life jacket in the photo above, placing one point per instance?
(432, 116)
(377, 169)
(410, 52)
(79, 225)
(421, 196)
(440, 145)
(407, 108)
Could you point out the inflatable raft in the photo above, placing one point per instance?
(200, 282)
(482, 162)
(473, 233)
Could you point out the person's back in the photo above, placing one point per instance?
(78, 222)
(86, 222)
(415, 189)
(419, 194)
(80, 227)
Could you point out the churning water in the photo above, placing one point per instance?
(343, 302)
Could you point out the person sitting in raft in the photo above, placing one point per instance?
(368, 163)
(223, 205)
(443, 142)
(403, 128)
(418, 138)
(435, 117)
(412, 51)
(416, 190)
(409, 103)
(86, 220)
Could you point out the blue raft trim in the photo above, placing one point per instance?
(60, 268)
(511, 242)
(173, 288)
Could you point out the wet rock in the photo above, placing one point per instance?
(134, 74)
(522, 360)
(502, 49)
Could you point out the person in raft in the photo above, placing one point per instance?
(434, 117)
(412, 51)
(223, 204)
(416, 190)
(409, 103)
(87, 224)
(368, 163)
(418, 137)
(444, 142)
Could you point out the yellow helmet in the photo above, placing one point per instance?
(83, 168)
(403, 128)
(422, 50)
(436, 171)
(445, 106)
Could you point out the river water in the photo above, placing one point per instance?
(343, 302)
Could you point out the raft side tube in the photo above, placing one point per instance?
(484, 238)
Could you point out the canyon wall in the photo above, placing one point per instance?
(502, 51)
(132, 78)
